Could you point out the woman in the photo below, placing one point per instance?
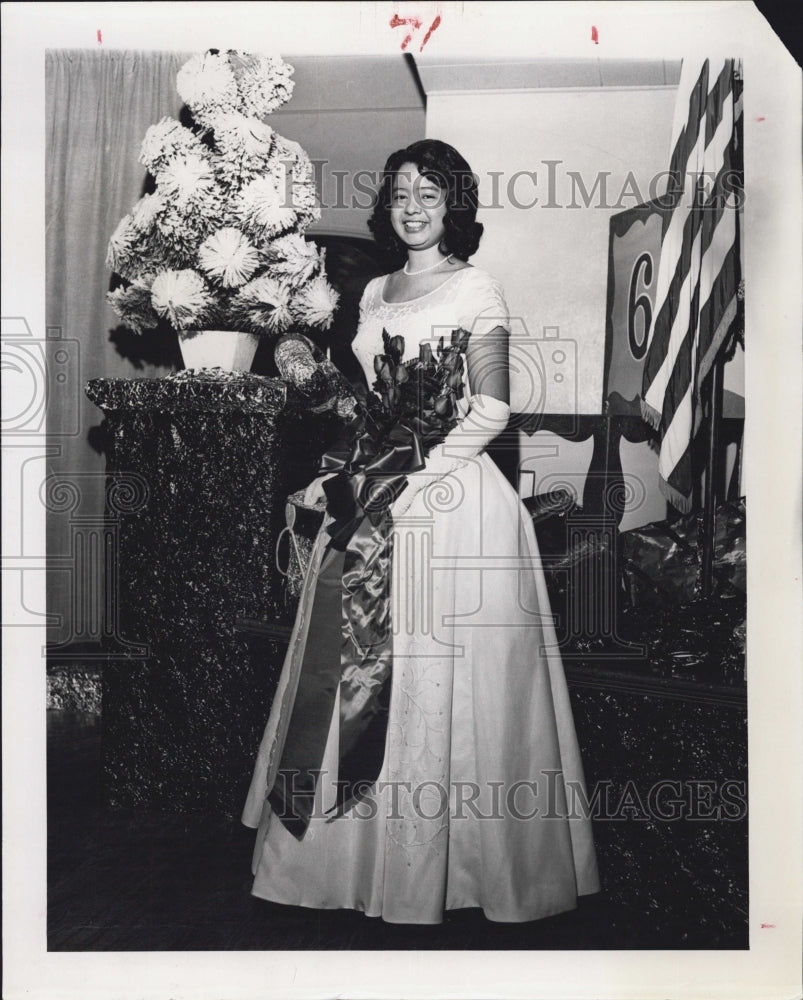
(477, 800)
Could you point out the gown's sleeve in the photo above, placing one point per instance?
(484, 307)
(361, 345)
(483, 312)
(367, 297)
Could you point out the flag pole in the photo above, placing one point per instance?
(715, 410)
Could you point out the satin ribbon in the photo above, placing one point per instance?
(369, 478)
(350, 646)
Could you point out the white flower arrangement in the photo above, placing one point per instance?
(220, 242)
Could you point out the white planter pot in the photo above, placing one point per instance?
(227, 349)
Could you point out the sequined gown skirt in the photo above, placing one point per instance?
(479, 801)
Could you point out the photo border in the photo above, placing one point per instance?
(772, 267)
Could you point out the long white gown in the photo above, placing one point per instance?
(479, 802)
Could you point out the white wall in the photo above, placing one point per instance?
(553, 261)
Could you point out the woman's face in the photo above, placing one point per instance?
(417, 209)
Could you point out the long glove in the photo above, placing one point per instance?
(486, 418)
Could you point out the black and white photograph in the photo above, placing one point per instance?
(387, 389)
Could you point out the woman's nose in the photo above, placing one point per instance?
(412, 207)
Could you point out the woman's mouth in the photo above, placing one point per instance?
(413, 227)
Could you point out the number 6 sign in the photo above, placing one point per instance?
(634, 251)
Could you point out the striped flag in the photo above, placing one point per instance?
(699, 271)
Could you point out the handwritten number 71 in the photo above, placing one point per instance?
(415, 23)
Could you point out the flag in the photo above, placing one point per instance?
(699, 271)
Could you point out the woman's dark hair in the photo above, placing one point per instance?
(443, 165)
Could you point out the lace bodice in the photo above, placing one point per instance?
(469, 298)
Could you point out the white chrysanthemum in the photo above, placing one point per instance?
(265, 304)
(237, 134)
(305, 195)
(166, 140)
(315, 304)
(279, 170)
(302, 164)
(294, 258)
(207, 85)
(265, 83)
(144, 213)
(306, 203)
(294, 160)
(244, 146)
(219, 200)
(121, 244)
(266, 209)
(295, 174)
(228, 256)
(186, 178)
(133, 305)
(181, 296)
(179, 233)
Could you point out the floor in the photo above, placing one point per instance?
(125, 880)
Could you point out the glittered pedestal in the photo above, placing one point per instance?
(216, 456)
(664, 743)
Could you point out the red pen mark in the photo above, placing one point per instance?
(100, 38)
(761, 119)
(594, 34)
(764, 926)
(432, 27)
(398, 22)
(415, 24)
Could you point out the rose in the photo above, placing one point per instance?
(397, 346)
(443, 405)
(452, 361)
(460, 339)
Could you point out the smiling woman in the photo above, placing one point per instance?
(417, 213)
(427, 201)
(408, 765)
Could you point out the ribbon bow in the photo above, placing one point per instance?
(369, 477)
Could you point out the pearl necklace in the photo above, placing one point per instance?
(425, 269)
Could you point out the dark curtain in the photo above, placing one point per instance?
(98, 108)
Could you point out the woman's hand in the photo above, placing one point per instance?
(314, 493)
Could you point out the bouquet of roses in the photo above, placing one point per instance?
(412, 409)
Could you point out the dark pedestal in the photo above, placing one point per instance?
(214, 457)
